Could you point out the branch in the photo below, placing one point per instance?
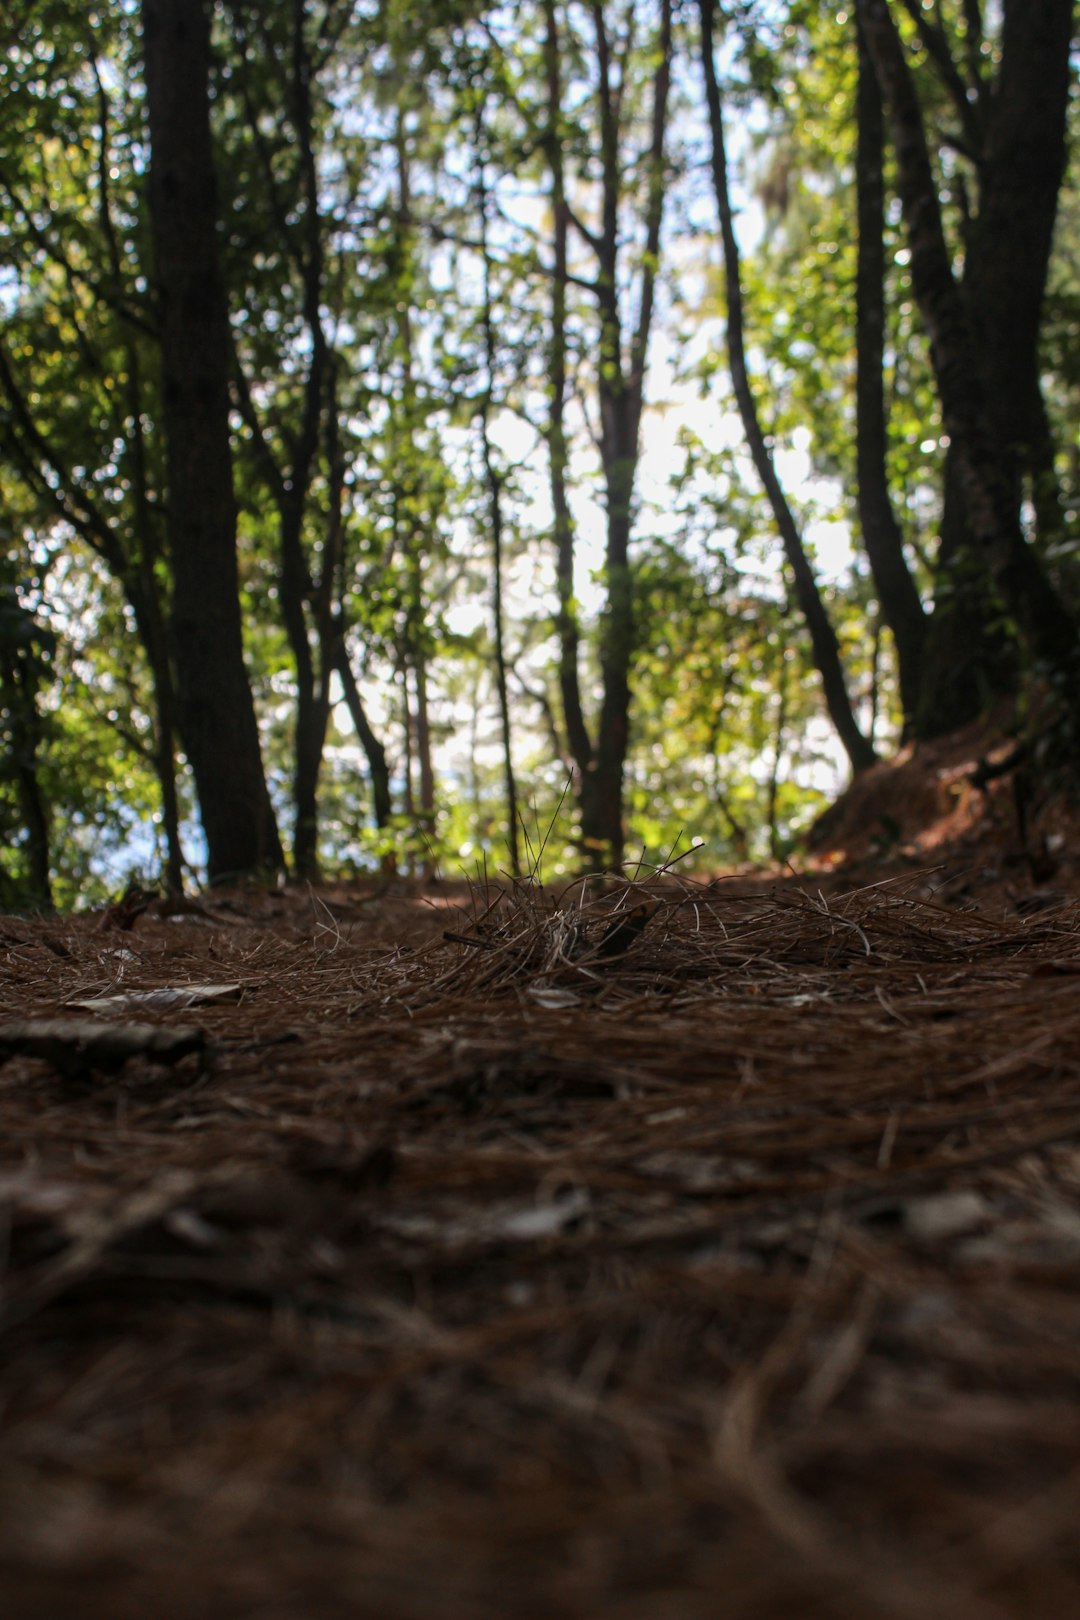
(654, 207)
(936, 45)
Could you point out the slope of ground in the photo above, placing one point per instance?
(976, 819)
(657, 1250)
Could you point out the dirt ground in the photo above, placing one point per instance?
(657, 1251)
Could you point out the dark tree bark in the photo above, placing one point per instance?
(969, 660)
(382, 806)
(1010, 242)
(1000, 303)
(24, 647)
(826, 651)
(215, 708)
(901, 605)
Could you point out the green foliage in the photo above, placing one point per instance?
(351, 143)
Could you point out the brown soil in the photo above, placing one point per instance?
(663, 1252)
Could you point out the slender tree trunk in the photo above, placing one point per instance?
(823, 640)
(901, 606)
(411, 537)
(382, 806)
(424, 760)
(408, 730)
(493, 480)
(309, 727)
(577, 734)
(216, 712)
(620, 384)
(773, 803)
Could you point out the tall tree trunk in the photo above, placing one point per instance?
(901, 606)
(823, 640)
(621, 386)
(410, 535)
(494, 483)
(216, 712)
(620, 376)
(566, 622)
(304, 600)
(960, 331)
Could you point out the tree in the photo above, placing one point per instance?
(216, 712)
(25, 650)
(983, 330)
(618, 376)
(280, 76)
(823, 638)
(882, 538)
(79, 335)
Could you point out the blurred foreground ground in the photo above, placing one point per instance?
(654, 1251)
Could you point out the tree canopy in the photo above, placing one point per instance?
(526, 436)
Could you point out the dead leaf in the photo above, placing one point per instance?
(167, 998)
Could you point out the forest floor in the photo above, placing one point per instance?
(659, 1251)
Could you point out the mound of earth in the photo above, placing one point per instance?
(965, 810)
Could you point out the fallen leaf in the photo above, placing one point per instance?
(168, 998)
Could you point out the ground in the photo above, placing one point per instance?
(661, 1251)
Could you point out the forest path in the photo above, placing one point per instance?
(664, 1250)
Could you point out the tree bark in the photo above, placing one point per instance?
(577, 733)
(620, 378)
(826, 650)
(22, 644)
(962, 329)
(1011, 239)
(215, 708)
(381, 806)
(494, 482)
(901, 605)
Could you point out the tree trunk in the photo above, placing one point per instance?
(826, 650)
(1011, 238)
(620, 375)
(381, 807)
(960, 332)
(20, 673)
(901, 606)
(577, 734)
(216, 712)
(425, 762)
(969, 659)
(494, 483)
(56, 486)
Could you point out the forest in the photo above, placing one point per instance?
(437, 435)
(539, 810)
